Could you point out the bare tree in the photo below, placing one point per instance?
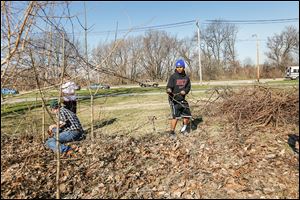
(214, 38)
(218, 47)
(157, 46)
(15, 27)
(12, 31)
(187, 50)
(282, 47)
(23, 48)
(229, 51)
(134, 49)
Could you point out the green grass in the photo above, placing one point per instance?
(128, 117)
(86, 92)
(292, 82)
(107, 118)
(16, 107)
(19, 107)
(112, 115)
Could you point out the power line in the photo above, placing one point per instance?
(157, 27)
(138, 29)
(165, 25)
(191, 22)
(255, 20)
(250, 40)
(188, 23)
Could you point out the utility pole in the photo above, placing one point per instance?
(199, 52)
(257, 55)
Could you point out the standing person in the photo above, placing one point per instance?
(70, 128)
(179, 85)
(68, 91)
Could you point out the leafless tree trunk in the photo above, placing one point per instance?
(219, 47)
(58, 120)
(156, 49)
(14, 36)
(282, 46)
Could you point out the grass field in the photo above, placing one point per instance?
(126, 110)
(133, 114)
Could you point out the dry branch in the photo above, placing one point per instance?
(260, 106)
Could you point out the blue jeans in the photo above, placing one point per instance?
(65, 136)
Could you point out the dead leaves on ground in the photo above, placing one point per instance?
(196, 166)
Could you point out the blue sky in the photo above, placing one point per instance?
(104, 16)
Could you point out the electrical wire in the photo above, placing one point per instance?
(189, 23)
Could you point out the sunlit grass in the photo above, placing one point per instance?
(115, 114)
(287, 81)
(128, 114)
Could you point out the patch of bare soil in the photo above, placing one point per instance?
(215, 161)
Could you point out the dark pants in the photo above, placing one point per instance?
(180, 109)
(71, 105)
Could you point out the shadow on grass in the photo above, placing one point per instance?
(100, 124)
(18, 110)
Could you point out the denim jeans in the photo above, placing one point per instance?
(64, 136)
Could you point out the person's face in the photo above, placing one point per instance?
(54, 110)
(179, 69)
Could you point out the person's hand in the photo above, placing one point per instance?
(50, 133)
(169, 91)
(51, 127)
(182, 92)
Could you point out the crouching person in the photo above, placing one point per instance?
(70, 129)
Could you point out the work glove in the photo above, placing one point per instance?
(169, 91)
(182, 92)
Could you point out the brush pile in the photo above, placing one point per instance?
(259, 106)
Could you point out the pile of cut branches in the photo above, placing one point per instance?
(259, 105)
